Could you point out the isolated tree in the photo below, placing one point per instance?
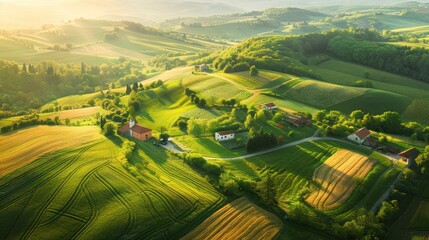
(141, 86)
(162, 129)
(203, 102)
(128, 91)
(135, 87)
(24, 67)
(164, 136)
(197, 100)
(109, 129)
(253, 71)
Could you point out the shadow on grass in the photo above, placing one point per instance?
(116, 140)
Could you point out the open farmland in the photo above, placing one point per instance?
(24, 146)
(240, 219)
(337, 178)
(85, 192)
(292, 170)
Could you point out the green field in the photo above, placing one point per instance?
(389, 92)
(293, 168)
(85, 192)
(90, 46)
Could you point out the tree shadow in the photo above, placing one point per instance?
(116, 140)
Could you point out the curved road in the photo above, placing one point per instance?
(312, 138)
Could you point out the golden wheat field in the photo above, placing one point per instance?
(20, 148)
(75, 113)
(241, 219)
(337, 178)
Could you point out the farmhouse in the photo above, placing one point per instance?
(204, 68)
(359, 136)
(409, 156)
(224, 135)
(269, 106)
(136, 131)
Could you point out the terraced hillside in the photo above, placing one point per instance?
(240, 219)
(85, 192)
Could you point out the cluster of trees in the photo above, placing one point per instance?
(127, 150)
(403, 60)
(423, 160)
(261, 141)
(28, 86)
(139, 28)
(334, 123)
(198, 127)
(165, 62)
(200, 102)
(283, 54)
(30, 120)
(202, 164)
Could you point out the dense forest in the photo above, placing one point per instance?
(29, 86)
(290, 54)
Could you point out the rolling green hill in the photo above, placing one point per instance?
(86, 192)
(94, 42)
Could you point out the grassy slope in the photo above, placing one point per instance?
(390, 91)
(293, 170)
(85, 192)
(89, 45)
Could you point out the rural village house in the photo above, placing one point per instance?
(224, 135)
(136, 131)
(202, 68)
(409, 156)
(269, 106)
(359, 136)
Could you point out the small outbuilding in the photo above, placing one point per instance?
(360, 136)
(409, 156)
(224, 135)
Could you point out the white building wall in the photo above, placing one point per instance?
(220, 138)
(353, 137)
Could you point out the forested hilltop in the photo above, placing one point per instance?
(291, 54)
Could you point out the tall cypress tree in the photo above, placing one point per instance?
(128, 91)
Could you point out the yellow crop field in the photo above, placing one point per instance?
(240, 219)
(20, 148)
(75, 113)
(337, 178)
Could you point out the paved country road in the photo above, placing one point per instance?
(312, 138)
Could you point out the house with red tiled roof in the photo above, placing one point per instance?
(224, 135)
(360, 136)
(136, 131)
(269, 106)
